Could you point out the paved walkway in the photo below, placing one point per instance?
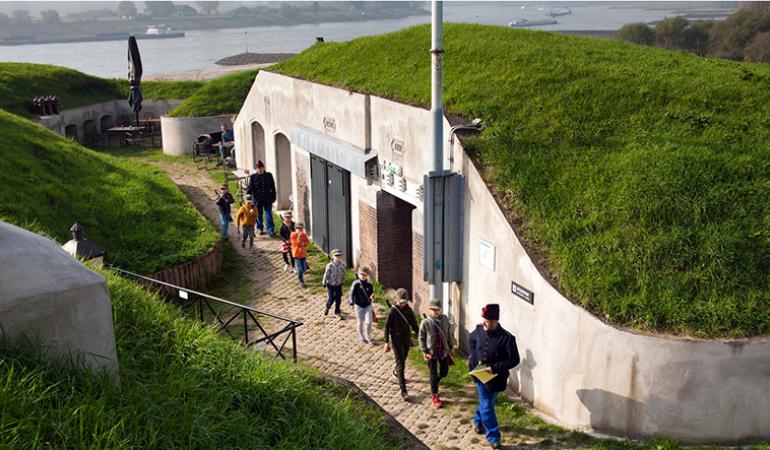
(331, 345)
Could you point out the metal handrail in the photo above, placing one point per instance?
(246, 311)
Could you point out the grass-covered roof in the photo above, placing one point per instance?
(640, 177)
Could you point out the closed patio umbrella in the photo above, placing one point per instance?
(134, 77)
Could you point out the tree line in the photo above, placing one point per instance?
(742, 36)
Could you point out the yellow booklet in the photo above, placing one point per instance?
(480, 372)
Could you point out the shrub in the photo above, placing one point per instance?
(758, 50)
(670, 33)
(636, 33)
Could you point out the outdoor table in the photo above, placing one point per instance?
(122, 132)
(151, 124)
(241, 178)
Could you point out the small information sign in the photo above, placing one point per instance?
(523, 293)
(183, 294)
(487, 254)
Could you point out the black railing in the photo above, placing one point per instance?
(246, 315)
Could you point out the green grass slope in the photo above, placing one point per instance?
(181, 386)
(21, 82)
(640, 177)
(48, 183)
(224, 95)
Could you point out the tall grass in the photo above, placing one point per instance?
(133, 210)
(181, 386)
(641, 177)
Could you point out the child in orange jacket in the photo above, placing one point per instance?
(247, 217)
(299, 243)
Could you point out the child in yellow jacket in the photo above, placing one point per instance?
(247, 217)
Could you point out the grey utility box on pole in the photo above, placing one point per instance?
(444, 221)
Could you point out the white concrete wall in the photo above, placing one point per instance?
(54, 301)
(179, 133)
(581, 372)
(116, 109)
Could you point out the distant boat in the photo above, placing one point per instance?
(559, 12)
(161, 31)
(531, 23)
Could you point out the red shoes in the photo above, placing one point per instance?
(437, 401)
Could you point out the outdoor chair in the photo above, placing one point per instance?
(135, 138)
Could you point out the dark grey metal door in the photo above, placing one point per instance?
(331, 207)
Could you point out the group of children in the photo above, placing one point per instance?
(436, 341)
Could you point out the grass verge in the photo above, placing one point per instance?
(181, 386)
(224, 95)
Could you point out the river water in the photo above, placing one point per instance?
(199, 49)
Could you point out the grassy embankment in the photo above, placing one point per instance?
(224, 95)
(21, 82)
(181, 386)
(143, 220)
(638, 176)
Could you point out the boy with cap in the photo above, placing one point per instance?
(262, 189)
(491, 345)
(247, 217)
(362, 296)
(398, 335)
(299, 243)
(334, 278)
(287, 228)
(224, 200)
(436, 344)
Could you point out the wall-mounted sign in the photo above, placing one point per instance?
(487, 254)
(267, 100)
(329, 124)
(397, 146)
(522, 292)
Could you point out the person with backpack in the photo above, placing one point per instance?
(362, 296)
(334, 278)
(247, 217)
(398, 337)
(437, 346)
(491, 346)
(223, 202)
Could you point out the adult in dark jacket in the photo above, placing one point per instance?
(489, 344)
(262, 190)
(398, 335)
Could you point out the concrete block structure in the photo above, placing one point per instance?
(351, 165)
(54, 301)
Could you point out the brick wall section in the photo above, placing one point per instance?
(420, 286)
(302, 198)
(367, 218)
(394, 241)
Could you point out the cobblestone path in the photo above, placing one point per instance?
(331, 345)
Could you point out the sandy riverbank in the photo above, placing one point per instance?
(203, 74)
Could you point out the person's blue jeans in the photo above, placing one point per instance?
(229, 150)
(485, 413)
(268, 209)
(301, 265)
(224, 223)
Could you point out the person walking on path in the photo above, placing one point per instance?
(287, 228)
(437, 345)
(262, 189)
(334, 278)
(489, 344)
(362, 296)
(299, 243)
(224, 200)
(246, 217)
(398, 336)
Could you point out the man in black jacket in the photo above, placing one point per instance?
(398, 335)
(489, 344)
(262, 190)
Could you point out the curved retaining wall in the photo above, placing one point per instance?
(194, 274)
(179, 133)
(586, 374)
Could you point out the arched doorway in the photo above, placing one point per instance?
(106, 123)
(283, 170)
(71, 131)
(257, 143)
(90, 132)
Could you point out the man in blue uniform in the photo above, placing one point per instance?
(489, 344)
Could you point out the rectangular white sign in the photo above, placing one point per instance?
(487, 254)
